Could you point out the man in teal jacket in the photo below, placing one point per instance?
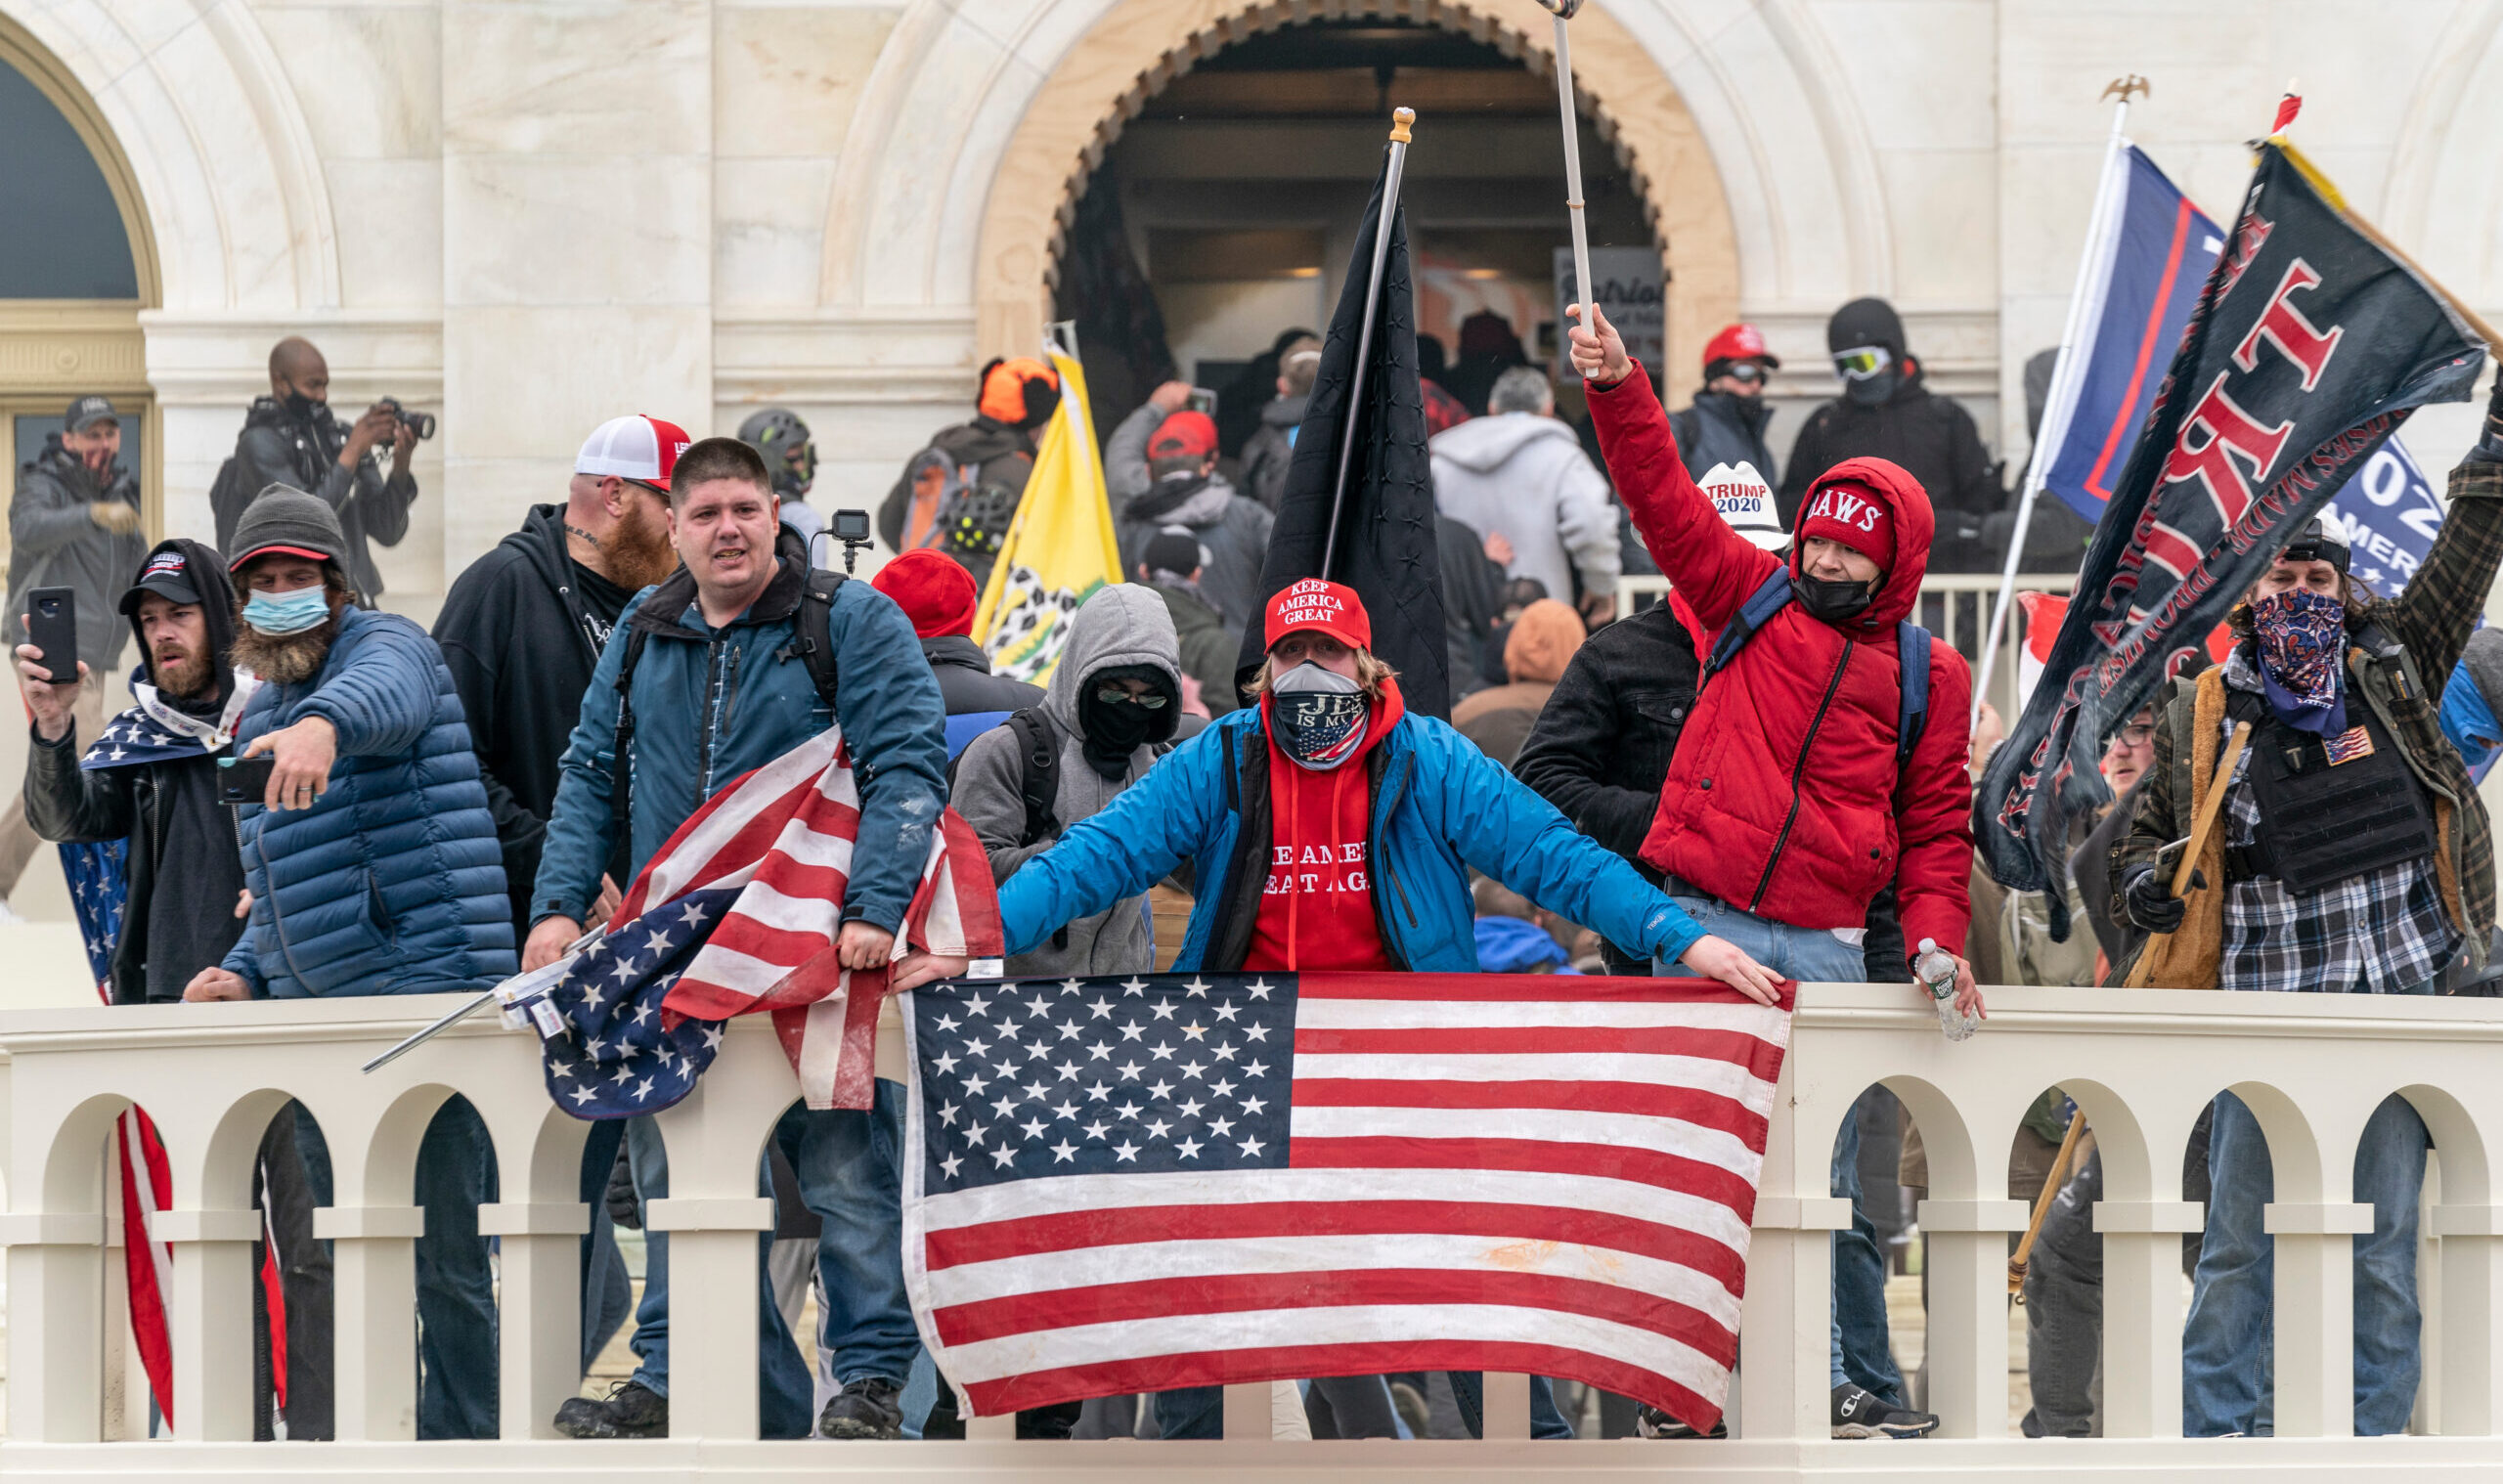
(721, 686)
(1329, 829)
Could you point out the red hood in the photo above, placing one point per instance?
(1894, 487)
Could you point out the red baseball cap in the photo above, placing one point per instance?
(933, 591)
(1186, 434)
(1331, 607)
(1740, 343)
(639, 447)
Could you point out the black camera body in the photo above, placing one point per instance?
(420, 423)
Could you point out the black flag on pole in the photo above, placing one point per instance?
(2311, 344)
(1386, 546)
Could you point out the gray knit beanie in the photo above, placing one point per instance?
(285, 519)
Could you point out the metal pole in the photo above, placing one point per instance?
(1564, 9)
(1400, 119)
(2127, 87)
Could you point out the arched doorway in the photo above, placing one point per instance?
(77, 268)
(1123, 75)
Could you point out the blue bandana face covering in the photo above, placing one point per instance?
(1320, 716)
(283, 613)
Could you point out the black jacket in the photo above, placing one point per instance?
(1934, 441)
(184, 868)
(965, 683)
(1209, 651)
(1718, 428)
(1000, 459)
(1602, 746)
(1270, 449)
(520, 646)
(277, 448)
(54, 542)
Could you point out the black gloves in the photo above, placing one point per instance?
(2148, 897)
(623, 1208)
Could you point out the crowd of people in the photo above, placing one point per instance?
(1768, 777)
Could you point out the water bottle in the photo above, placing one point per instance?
(1937, 971)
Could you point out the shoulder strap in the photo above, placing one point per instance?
(1038, 772)
(1753, 614)
(621, 776)
(1911, 714)
(812, 633)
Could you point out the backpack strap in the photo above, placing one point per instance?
(812, 633)
(1753, 614)
(1039, 773)
(621, 774)
(1911, 712)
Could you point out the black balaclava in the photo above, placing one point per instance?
(1112, 731)
(1869, 321)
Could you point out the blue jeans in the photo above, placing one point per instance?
(849, 1177)
(2228, 1344)
(1860, 1352)
(456, 1395)
(1198, 1412)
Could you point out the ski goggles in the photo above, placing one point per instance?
(1745, 372)
(1862, 364)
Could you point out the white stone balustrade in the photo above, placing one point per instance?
(2141, 1064)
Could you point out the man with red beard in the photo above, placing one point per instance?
(524, 625)
(151, 777)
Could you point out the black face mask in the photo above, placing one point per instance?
(1112, 731)
(1874, 391)
(1831, 601)
(299, 405)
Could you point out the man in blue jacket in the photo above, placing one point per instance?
(1329, 829)
(373, 870)
(718, 686)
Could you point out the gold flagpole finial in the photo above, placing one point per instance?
(2129, 87)
(1400, 119)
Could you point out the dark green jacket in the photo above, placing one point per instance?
(2430, 625)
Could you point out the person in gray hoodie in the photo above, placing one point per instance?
(1160, 467)
(1113, 700)
(1521, 474)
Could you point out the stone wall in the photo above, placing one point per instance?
(536, 213)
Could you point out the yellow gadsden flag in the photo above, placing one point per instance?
(1059, 547)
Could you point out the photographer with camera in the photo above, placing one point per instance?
(292, 437)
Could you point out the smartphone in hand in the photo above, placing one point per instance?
(52, 626)
(244, 780)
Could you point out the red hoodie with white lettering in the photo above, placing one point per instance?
(1317, 906)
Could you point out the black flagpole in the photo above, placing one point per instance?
(1400, 119)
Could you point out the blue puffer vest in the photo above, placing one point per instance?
(392, 883)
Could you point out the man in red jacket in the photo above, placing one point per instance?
(1786, 810)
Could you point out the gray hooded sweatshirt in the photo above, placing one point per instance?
(1122, 624)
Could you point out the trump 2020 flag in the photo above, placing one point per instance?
(2389, 516)
(738, 914)
(1060, 546)
(2310, 345)
(1189, 1180)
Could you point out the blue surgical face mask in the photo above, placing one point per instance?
(285, 613)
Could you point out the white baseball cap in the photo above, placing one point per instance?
(639, 447)
(1746, 502)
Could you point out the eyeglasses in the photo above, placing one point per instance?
(1862, 364)
(2134, 734)
(1153, 699)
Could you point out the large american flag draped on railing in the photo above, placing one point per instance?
(738, 913)
(1174, 1179)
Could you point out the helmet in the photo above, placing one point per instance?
(782, 438)
(1739, 342)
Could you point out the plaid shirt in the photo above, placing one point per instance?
(2381, 933)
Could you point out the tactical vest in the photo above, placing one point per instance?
(2322, 822)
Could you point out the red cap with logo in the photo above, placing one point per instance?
(1330, 607)
(1186, 434)
(1849, 513)
(639, 447)
(1740, 343)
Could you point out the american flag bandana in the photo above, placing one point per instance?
(1198, 1179)
(740, 913)
(152, 731)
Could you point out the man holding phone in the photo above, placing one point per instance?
(1160, 467)
(74, 525)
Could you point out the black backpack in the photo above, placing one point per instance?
(226, 498)
(812, 643)
(1038, 772)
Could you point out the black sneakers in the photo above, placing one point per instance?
(1651, 1422)
(867, 1407)
(1859, 1414)
(630, 1410)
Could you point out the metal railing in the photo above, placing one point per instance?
(1956, 607)
(2140, 1064)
